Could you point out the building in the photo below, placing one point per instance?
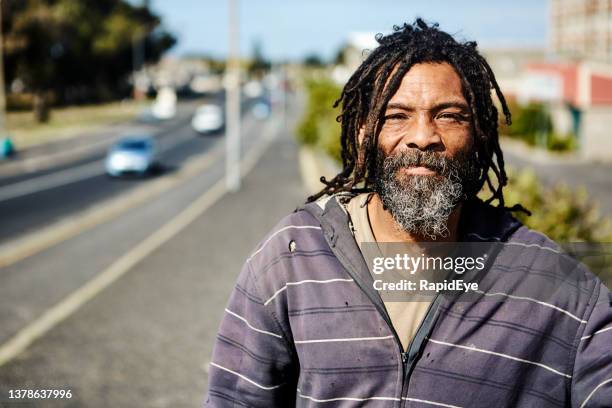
(580, 77)
(581, 29)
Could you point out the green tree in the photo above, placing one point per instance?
(259, 65)
(75, 51)
(319, 126)
(313, 61)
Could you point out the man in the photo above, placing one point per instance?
(305, 325)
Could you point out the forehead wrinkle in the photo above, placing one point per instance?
(430, 84)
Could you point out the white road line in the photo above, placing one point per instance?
(32, 243)
(72, 175)
(52, 180)
(106, 210)
(74, 301)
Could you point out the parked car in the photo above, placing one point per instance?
(132, 155)
(208, 118)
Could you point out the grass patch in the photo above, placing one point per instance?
(68, 122)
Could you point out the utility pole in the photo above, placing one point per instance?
(232, 102)
(2, 93)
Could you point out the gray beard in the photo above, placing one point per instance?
(422, 204)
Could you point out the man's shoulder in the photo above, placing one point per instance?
(294, 229)
(294, 249)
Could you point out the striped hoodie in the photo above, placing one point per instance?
(304, 326)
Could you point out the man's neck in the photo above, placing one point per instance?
(386, 229)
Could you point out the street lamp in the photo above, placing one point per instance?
(232, 102)
(2, 93)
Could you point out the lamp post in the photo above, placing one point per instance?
(2, 93)
(232, 102)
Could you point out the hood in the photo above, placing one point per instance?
(479, 222)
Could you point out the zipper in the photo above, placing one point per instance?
(410, 357)
(404, 356)
(407, 361)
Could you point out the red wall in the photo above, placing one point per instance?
(601, 90)
(568, 74)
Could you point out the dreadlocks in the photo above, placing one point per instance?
(365, 97)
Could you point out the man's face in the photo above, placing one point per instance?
(429, 113)
(425, 163)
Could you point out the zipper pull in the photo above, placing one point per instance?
(404, 357)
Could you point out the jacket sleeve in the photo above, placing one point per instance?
(592, 376)
(252, 363)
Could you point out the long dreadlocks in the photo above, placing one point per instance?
(365, 96)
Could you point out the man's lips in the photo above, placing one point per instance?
(419, 170)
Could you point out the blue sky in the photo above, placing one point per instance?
(291, 29)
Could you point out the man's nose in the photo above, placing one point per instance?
(423, 136)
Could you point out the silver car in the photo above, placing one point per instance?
(208, 118)
(132, 155)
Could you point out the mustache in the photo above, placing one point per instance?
(417, 158)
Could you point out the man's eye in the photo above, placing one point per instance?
(453, 116)
(397, 116)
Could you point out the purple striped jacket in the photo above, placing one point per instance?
(305, 328)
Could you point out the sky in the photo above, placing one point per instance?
(292, 29)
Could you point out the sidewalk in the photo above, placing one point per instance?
(147, 339)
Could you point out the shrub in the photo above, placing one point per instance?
(560, 213)
(318, 126)
(532, 124)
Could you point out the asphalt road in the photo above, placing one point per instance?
(596, 178)
(145, 340)
(59, 191)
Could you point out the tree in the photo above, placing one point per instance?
(259, 65)
(313, 60)
(76, 51)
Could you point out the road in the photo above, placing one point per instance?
(124, 313)
(36, 199)
(594, 177)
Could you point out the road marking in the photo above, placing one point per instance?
(74, 301)
(52, 180)
(39, 240)
(73, 174)
(45, 162)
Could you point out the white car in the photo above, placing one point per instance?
(208, 118)
(132, 155)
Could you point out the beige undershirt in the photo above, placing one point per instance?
(405, 316)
